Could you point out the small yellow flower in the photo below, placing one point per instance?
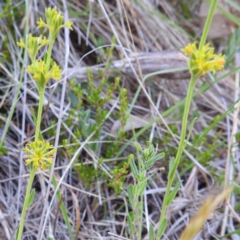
(189, 49)
(39, 154)
(41, 23)
(68, 24)
(204, 60)
(21, 43)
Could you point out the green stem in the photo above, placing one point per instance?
(207, 23)
(180, 149)
(185, 119)
(32, 169)
(39, 116)
(49, 51)
(26, 203)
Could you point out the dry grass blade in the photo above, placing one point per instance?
(204, 212)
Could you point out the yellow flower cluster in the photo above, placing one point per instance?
(54, 21)
(39, 154)
(43, 70)
(33, 45)
(42, 74)
(203, 60)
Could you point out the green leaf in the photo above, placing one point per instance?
(130, 218)
(151, 232)
(31, 198)
(141, 187)
(73, 99)
(191, 128)
(131, 195)
(173, 193)
(150, 163)
(159, 156)
(171, 168)
(3, 151)
(162, 228)
(133, 168)
(17, 232)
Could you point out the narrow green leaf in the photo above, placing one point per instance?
(130, 194)
(171, 167)
(162, 228)
(31, 198)
(150, 162)
(141, 187)
(159, 156)
(133, 168)
(173, 193)
(132, 217)
(191, 128)
(151, 232)
(17, 232)
(132, 228)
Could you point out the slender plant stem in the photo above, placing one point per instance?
(26, 203)
(41, 91)
(49, 51)
(207, 23)
(32, 169)
(179, 151)
(185, 119)
(184, 124)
